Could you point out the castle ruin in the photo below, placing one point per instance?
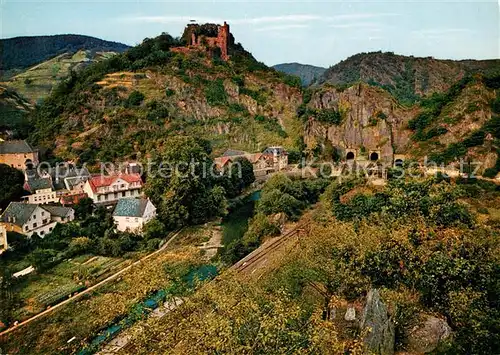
(207, 36)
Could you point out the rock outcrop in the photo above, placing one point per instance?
(371, 120)
(378, 330)
(427, 335)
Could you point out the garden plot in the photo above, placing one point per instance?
(38, 291)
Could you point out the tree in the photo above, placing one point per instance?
(42, 259)
(154, 229)
(7, 298)
(11, 185)
(182, 184)
(135, 98)
(84, 208)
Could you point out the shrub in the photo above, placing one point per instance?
(330, 116)
(135, 98)
(215, 93)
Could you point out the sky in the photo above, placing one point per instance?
(313, 32)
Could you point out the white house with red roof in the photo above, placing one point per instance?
(106, 189)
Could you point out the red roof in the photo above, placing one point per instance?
(104, 180)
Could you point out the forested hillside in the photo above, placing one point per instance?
(307, 73)
(149, 93)
(406, 78)
(22, 52)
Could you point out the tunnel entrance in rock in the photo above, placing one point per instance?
(350, 156)
(374, 156)
(398, 162)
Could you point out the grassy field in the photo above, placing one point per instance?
(38, 291)
(87, 316)
(37, 82)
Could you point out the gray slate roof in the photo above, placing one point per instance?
(15, 147)
(58, 210)
(233, 152)
(39, 183)
(18, 213)
(130, 207)
(274, 150)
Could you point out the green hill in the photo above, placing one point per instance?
(149, 93)
(23, 52)
(307, 73)
(407, 78)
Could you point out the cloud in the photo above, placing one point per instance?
(275, 19)
(362, 16)
(280, 27)
(355, 25)
(262, 20)
(169, 19)
(441, 33)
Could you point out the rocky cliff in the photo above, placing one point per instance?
(371, 120)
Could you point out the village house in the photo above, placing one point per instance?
(41, 188)
(104, 189)
(278, 156)
(3, 239)
(28, 219)
(68, 177)
(18, 154)
(60, 214)
(131, 214)
(271, 160)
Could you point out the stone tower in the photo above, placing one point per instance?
(223, 40)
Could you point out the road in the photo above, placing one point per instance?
(90, 289)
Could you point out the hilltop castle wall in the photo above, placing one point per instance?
(210, 41)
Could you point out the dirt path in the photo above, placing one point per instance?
(90, 289)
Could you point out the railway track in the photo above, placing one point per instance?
(261, 252)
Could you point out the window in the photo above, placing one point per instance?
(43, 213)
(25, 228)
(137, 219)
(42, 232)
(123, 194)
(34, 225)
(50, 229)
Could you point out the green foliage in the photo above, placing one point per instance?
(259, 227)
(183, 192)
(271, 124)
(11, 185)
(281, 194)
(432, 108)
(169, 92)
(42, 259)
(400, 200)
(459, 149)
(134, 99)
(292, 80)
(83, 209)
(238, 176)
(329, 116)
(257, 95)
(215, 93)
(8, 298)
